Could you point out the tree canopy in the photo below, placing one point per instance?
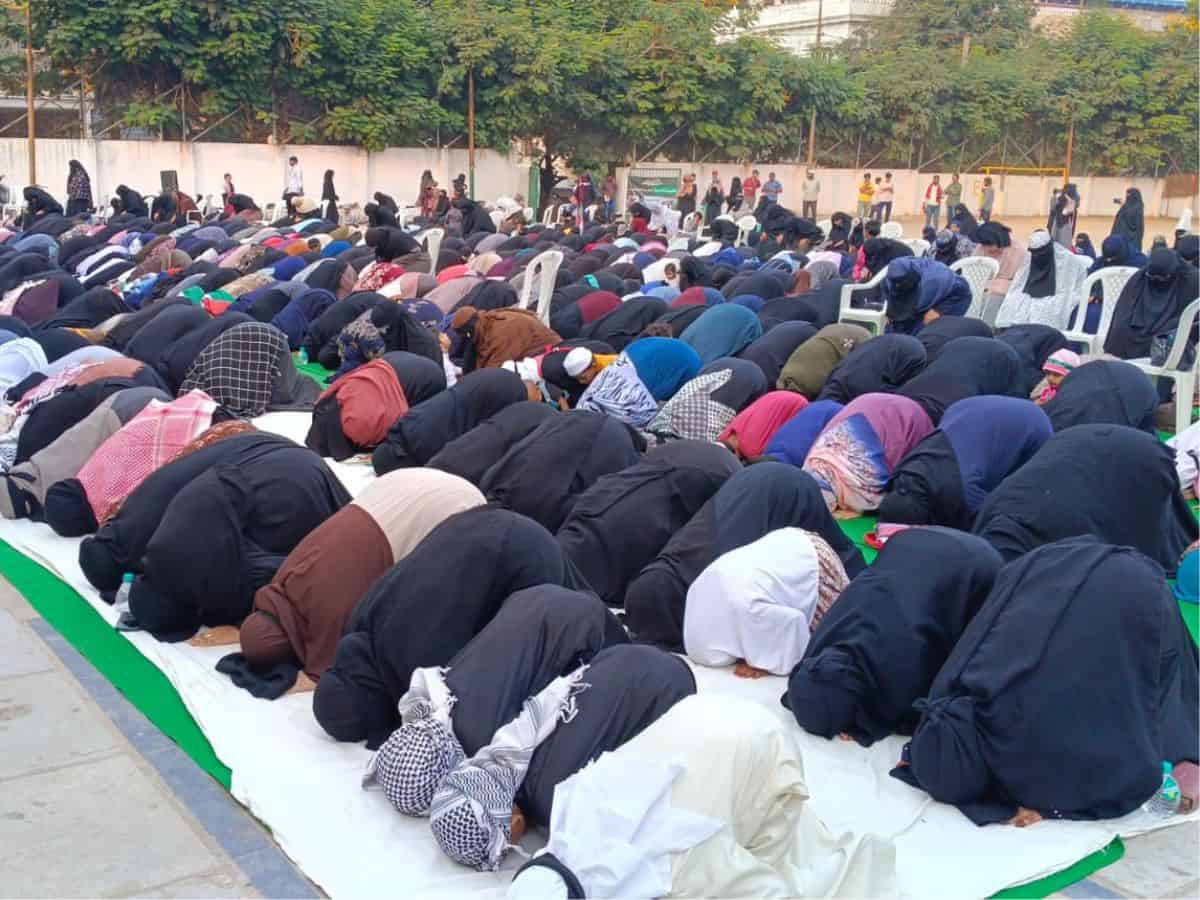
(607, 81)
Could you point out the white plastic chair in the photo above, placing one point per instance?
(919, 246)
(497, 216)
(893, 230)
(528, 211)
(1112, 282)
(269, 212)
(693, 224)
(432, 238)
(544, 270)
(1185, 379)
(550, 216)
(870, 317)
(978, 271)
(826, 225)
(746, 225)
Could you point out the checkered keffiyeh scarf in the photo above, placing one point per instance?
(692, 414)
(419, 754)
(832, 578)
(471, 815)
(240, 368)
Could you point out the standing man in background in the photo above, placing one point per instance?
(810, 193)
(884, 197)
(987, 200)
(293, 184)
(750, 189)
(772, 189)
(953, 197)
(933, 202)
(866, 191)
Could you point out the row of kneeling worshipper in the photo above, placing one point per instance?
(566, 519)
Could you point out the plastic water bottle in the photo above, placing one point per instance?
(1167, 799)
(303, 356)
(121, 604)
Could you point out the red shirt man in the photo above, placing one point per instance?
(750, 187)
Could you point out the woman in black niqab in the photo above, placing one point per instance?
(1150, 305)
(1105, 392)
(1077, 625)
(1130, 220)
(329, 199)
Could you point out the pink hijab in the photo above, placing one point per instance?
(757, 423)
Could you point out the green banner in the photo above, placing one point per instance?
(662, 184)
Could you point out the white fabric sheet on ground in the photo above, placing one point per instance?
(305, 787)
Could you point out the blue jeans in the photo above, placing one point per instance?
(931, 214)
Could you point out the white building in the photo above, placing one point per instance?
(792, 24)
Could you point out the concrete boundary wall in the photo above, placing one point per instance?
(258, 170)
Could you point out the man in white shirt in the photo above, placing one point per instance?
(810, 192)
(293, 183)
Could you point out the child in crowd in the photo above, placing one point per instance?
(1060, 364)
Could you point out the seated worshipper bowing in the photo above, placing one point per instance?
(1146, 315)
(496, 336)
(709, 801)
(321, 338)
(879, 366)
(965, 367)
(572, 368)
(472, 454)
(706, 404)
(879, 648)
(919, 291)
(1044, 291)
(723, 330)
(76, 506)
(772, 350)
(385, 328)
(1104, 392)
(23, 493)
(1080, 483)
(938, 333)
(354, 414)
(249, 370)
(749, 432)
(796, 436)
(979, 442)
(540, 634)
(1077, 625)
(425, 429)
(752, 503)
(511, 781)
(543, 475)
(619, 524)
(755, 607)
(808, 368)
(293, 632)
(255, 512)
(646, 373)
(425, 609)
(858, 451)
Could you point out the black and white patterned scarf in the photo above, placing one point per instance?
(240, 368)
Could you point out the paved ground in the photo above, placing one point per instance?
(96, 802)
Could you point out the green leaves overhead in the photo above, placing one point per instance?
(601, 81)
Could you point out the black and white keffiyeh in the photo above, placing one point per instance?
(471, 815)
(240, 368)
(419, 754)
(692, 414)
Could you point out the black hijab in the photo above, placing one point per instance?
(172, 323)
(58, 342)
(472, 454)
(177, 359)
(425, 609)
(746, 382)
(819, 307)
(320, 342)
(753, 502)
(1105, 392)
(391, 242)
(966, 367)
(543, 475)
(880, 365)
(416, 438)
(942, 330)
(622, 325)
(401, 331)
(1130, 220)
(1115, 483)
(1151, 303)
(623, 520)
(880, 646)
(1079, 626)
(87, 310)
(1041, 279)
(880, 251)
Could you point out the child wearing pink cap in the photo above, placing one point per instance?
(1060, 364)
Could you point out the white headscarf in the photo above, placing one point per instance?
(759, 602)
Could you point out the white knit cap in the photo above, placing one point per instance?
(577, 361)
